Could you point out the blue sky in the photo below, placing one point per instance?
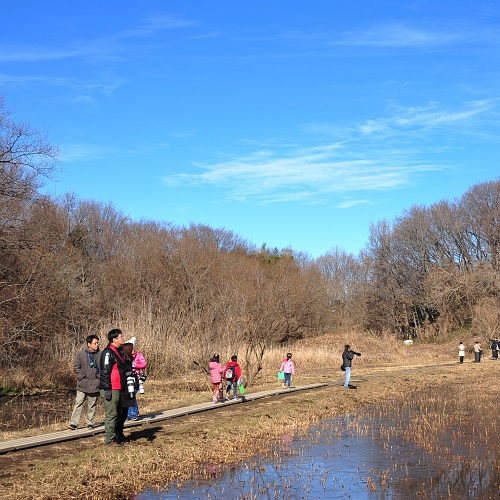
(290, 123)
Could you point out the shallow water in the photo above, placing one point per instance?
(352, 457)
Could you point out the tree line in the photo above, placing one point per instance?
(70, 267)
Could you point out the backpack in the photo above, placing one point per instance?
(231, 373)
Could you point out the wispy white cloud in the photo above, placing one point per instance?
(400, 35)
(106, 86)
(385, 154)
(110, 46)
(428, 117)
(301, 175)
(352, 203)
(72, 152)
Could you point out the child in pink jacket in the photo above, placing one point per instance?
(215, 376)
(288, 367)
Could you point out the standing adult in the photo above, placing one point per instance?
(86, 368)
(113, 388)
(494, 348)
(477, 352)
(288, 368)
(461, 352)
(216, 370)
(347, 357)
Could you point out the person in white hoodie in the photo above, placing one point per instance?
(288, 368)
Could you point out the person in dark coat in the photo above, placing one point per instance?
(86, 368)
(347, 357)
(114, 371)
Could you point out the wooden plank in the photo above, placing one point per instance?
(68, 435)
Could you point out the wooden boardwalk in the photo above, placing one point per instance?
(68, 435)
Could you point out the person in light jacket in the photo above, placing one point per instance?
(86, 368)
(288, 368)
(216, 370)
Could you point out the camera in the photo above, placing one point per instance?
(142, 379)
(130, 385)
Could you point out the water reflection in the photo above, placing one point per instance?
(359, 457)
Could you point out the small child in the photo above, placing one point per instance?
(215, 376)
(232, 368)
(288, 367)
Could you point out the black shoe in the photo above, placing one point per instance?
(122, 439)
(352, 386)
(90, 426)
(114, 443)
(73, 426)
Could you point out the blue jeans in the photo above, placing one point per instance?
(287, 380)
(234, 385)
(133, 411)
(347, 377)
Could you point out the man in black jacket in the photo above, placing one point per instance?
(113, 388)
(347, 356)
(86, 368)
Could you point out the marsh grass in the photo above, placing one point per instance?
(316, 359)
(203, 445)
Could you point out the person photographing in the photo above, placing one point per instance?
(347, 357)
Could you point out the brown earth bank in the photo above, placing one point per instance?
(185, 448)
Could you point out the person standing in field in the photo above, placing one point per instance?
(347, 357)
(216, 371)
(477, 352)
(288, 368)
(461, 352)
(113, 388)
(232, 374)
(494, 348)
(86, 368)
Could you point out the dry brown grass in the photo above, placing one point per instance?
(173, 452)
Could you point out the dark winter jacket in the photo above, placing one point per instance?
(114, 369)
(86, 376)
(347, 357)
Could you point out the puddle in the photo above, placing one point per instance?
(365, 456)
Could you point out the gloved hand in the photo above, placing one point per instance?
(357, 353)
(107, 395)
(239, 381)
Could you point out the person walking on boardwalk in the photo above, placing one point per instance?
(86, 368)
(216, 371)
(113, 388)
(232, 374)
(347, 357)
(461, 352)
(288, 368)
